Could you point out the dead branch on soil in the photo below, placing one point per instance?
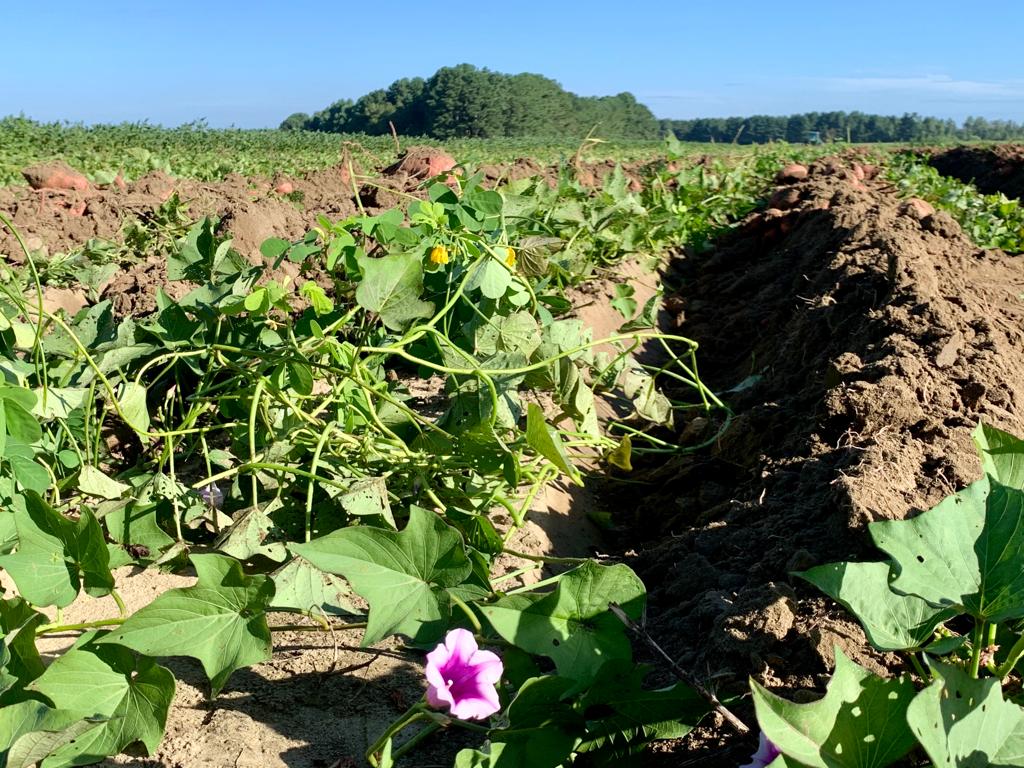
(738, 725)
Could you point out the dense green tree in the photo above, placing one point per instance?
(294, 122)
(467, 101)
(331, 119)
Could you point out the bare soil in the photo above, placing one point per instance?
(991, 169)
(858, 343)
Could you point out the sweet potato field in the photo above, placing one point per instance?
(389, 456)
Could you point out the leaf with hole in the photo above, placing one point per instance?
(247, 537)
(860, 723)
(892, 622)
(368, 497)
(967, 552)
(966, 722)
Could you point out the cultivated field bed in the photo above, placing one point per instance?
(269, 436)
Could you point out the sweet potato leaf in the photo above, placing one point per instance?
(132, 693)
(966, 722)
(221, 620)
(572, 625)
(404, 575)
(860, 723)
(893, 622)
(966, 552)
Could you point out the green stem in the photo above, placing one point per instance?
(324, 627)
(50, 629)
(515, 574)
(120, 603)
(414, 713)
(1004, 669)
(977, 643)
(417, 737)
(314, 465)
(546, 558)
(470, 613)
(257, 395)
(918, 667)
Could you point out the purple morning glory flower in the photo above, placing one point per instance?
(765, 755)
(212, 495)
(463, 678)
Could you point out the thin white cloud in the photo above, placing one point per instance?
(926, 85)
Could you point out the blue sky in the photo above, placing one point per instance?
(251, 64)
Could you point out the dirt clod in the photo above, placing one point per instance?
(55, 176)
(792, 173)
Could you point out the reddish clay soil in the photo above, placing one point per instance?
(991, 169)
(876, 337)
(60, 210)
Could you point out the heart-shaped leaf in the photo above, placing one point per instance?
(221, 620)
(860, 723)
(893, 622)
(403, 575)
(131, 692)
(966, 723)
(572, 625)
(57, 556)
(30, 731)
(391, 287)
(543, 728)
(966, 552)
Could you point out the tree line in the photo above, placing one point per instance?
(839, 126)
(465, 101)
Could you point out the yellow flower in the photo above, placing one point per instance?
(439, 254)
(510, 258)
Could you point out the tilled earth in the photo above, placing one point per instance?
(858, 339)
(862, 338)
(991, 169)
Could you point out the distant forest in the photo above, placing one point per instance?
(464, 101)
(838, 126)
